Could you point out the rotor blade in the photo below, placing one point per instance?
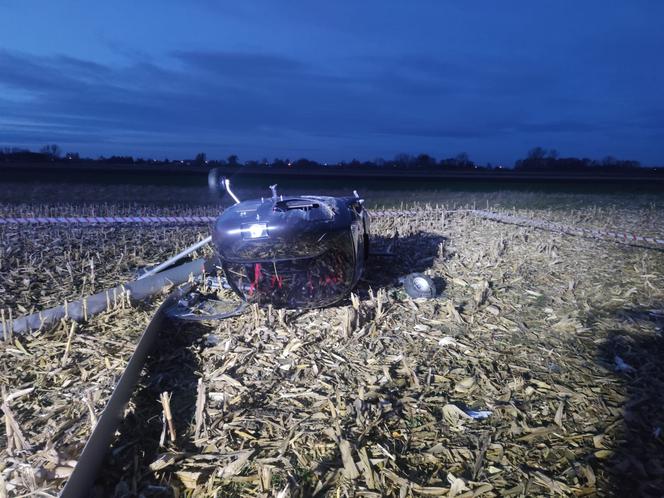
(84, 474)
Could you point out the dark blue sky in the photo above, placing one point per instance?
(334, 80)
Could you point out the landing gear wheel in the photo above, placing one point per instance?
(418, 285)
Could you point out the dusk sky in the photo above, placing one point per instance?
(334, 80)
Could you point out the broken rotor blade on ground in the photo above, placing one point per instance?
(91, 305)
(85, 472)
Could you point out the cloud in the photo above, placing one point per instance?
(560, 126)
(263, 102)
(28, 73)
(214, 90)
(242, 65)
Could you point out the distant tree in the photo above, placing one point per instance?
(609, 162)
(118, 160)
(613, 163)
(537, 153)
(425, 161)
(536, 159)
(200, 158)
(404, 160)
(52, 150)
(463, 161)
(305, 164)
(460, 161)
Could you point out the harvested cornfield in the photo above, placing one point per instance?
(536, 372)
(44, 266)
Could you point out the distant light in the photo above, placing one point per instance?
(181, 162)
(290, 164)
(206, 161)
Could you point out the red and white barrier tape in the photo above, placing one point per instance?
(505, 218)
(95, 220)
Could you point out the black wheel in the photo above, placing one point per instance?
(418, 285)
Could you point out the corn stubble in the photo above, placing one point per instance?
(373, 397)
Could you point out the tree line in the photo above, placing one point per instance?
(537, 159)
